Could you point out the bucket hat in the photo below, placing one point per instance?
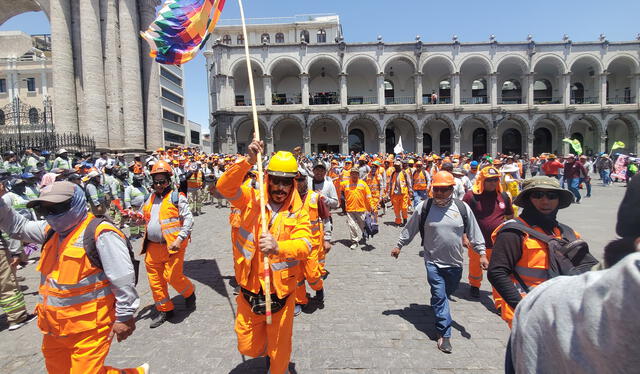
(543, 183)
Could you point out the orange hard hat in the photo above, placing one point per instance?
(161, 167)
(443, 179)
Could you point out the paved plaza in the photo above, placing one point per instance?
(376, 317)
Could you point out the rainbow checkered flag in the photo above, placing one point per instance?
(181, 29)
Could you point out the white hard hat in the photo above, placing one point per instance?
(62, 150)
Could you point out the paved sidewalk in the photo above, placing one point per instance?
(376, 317)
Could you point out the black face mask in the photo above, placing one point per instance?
(534, 217)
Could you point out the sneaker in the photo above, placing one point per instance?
(145, 368)
(15, 326)
(354, 246)
(474, 292)
(444, 344)
(297, 310)
(161, 318)
(236, 290)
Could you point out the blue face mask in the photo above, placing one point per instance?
(65, 222)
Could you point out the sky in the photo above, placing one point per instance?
(402, 20)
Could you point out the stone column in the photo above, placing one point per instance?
(306, 138)
(43, 80)
(602, 143)
(95, 122)
(64, 105)
(344, 144)
(227, 96)
(112, 69)
(266, 83)
(304, 81)
(151, 81)
(456, 142)
(529, 138)
(530, 89)
(419, 144)
(131, 75)
(494, 142)
(418, 86)
(380, 85)
(603, 88)
(10, 82)
(77, 60)
(566, 89)
(382, 144)
(493, 87)
(637, 94)
(455, 82)
(344, 98)
(269, 143)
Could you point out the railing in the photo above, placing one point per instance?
(279, 100)
(362, 100)
(547, 100)
(400, 100)
(621, 100)
(509, 101)
(440, 100)
(324, 98)
(47, 141)
(585, 100)
(473, 100)
(247, 101)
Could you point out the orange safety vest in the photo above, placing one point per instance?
(392, 184)
(169, 216)
(420, 181)
(311, 206)
(195, 180)
(373, 181)
(75, 296)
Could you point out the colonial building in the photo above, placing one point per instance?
(174, 123)
(314, 89)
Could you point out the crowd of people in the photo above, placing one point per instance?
(82, 212)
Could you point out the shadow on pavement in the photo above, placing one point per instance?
(486, 298)
(423, 319)
(257, 366)
(207, 272)
(345, 242)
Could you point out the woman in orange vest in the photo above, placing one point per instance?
(520, 262)
(169, 222)
(287, 242)
(83, 304)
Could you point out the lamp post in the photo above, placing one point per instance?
(47, 107)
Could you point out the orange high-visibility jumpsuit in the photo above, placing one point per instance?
(75, 332)
(409, 181)
(291, 228)
(375, 185)
(162, 266)
(312, 270)
(398, 190)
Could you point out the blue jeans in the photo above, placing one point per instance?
(573, 184)
(418, 196)
(443, 283)
(604, 175)
(587, 184)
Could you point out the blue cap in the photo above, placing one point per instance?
(474, 164)
(45, 153)
(26, 175)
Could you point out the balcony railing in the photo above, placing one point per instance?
(509, 101)
(547, 100)
(247, 101)
(362, 100)
(621, 100)
(284, 100)
(441, 100)
(324, 98)
(584, 100)
(400, 100)
(473, 100)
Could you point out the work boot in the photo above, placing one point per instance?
(404, 221)
(161, 318)
(326, 274)
(474, 292)
(444, 344)
(190, 302)
(320, 295)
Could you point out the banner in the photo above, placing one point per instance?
(619, 168)
(398, 148)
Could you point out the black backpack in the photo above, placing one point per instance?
(426, 207)
(89, 244)
(567, 255)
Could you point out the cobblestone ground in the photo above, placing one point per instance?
(376, 317)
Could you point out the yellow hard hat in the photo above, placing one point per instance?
(283, 164)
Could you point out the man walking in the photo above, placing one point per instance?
(357, 197)
(442, 222)
(398, 190)
(573, 171)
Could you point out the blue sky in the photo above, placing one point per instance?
(402, 20)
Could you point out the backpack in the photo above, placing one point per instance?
(567, 255)
(426, 207)
(89, 244)
(370, 224)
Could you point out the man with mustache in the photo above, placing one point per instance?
(286, 243)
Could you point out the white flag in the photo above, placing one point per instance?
(398, 148)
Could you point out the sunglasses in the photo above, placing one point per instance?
(159, 181)
(551, 195)
(281, 181)
(301, 179)
(52, 210)
(442, 189)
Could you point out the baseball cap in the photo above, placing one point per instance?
(56, 192)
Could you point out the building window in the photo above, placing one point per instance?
(2, 118)
(322, 36)
(31, 84)
(304, 36)
(170, 76)
(240, 39)
(226, 39)
(195, 137)
(279, 37)
(171, 137)
(265, 38)
(171, 96)
(3, 85)
(33, 116)
(170, 116)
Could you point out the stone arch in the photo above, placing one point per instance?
(466, 131)
(372, 135)
(283, 117)
(452, 65)
(628, 120)
(24, 6)
(432, 127)
(439, 117)
(264, 128)
(475, 56)
(399, 56)
(552, 56)
(588, 56)
(323, 139)
(289, 137)
(521, 126)
(486, 122)
(362, 56)
(322, 56)
(242, 131)
(592, 132)
(409, 119)
(315, 120)
(625, 56)
(409, 133)
(556, 120)
(524, 124)
(241, 61)
(279, 60)
(556, 128)
(521, 60)
(364, 116)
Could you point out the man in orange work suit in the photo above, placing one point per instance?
(398, 190)
(169, 222)
(287, 243)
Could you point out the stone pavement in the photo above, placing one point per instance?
(376, 317)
